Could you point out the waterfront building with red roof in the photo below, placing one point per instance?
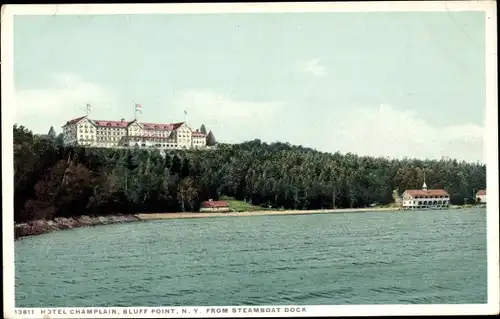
(425, 198)
(481, 196)
(215, 206)
(105, 133)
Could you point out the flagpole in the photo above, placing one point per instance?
(135, 110)
(87, 109)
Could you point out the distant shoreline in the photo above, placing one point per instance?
(38, 227)
(155, 216)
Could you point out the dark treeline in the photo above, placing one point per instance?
(51, 180)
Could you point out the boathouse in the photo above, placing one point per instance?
(215, 206)
(481, 197)
(425, 198)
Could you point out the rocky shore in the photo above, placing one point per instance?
(38, 227)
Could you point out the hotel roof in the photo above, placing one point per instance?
(124, 124)
(74, 121)
(429, 192)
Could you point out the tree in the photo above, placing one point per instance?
(129, 164)
(187, 194)
(185, 167)
(59, 140)
(52, 133)
(203, 129)
(75, 191)
(176, 164)
(211, 139)
(47, 190)
(396, 198)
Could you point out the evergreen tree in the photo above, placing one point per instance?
(59, 140)
(52, 133)
(203, 129)
(211, 139)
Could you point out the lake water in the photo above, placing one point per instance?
(421, 257)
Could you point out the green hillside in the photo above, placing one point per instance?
(51, 180)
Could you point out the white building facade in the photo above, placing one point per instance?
(122, 134)
(425, 198)
(481, 197)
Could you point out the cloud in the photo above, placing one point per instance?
(63, 99)
(387, 131)
(231, 119)
(315, 68)
(374, 131)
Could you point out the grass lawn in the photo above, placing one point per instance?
(241, 206)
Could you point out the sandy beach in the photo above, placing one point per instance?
(153, 216)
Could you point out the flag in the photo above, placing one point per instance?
(138, 107)
(88, 107)
(185, 112)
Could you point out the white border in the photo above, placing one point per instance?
(491, 146)
(491, 140)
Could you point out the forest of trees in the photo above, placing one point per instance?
(51, 180)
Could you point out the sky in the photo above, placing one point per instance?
(391, 84)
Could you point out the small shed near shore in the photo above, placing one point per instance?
(481, 196)
(215, 206)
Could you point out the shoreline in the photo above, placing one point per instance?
(38, 227)
(157, 216)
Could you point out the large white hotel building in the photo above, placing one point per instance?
(109, 134)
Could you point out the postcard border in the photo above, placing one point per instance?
(491, 123)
